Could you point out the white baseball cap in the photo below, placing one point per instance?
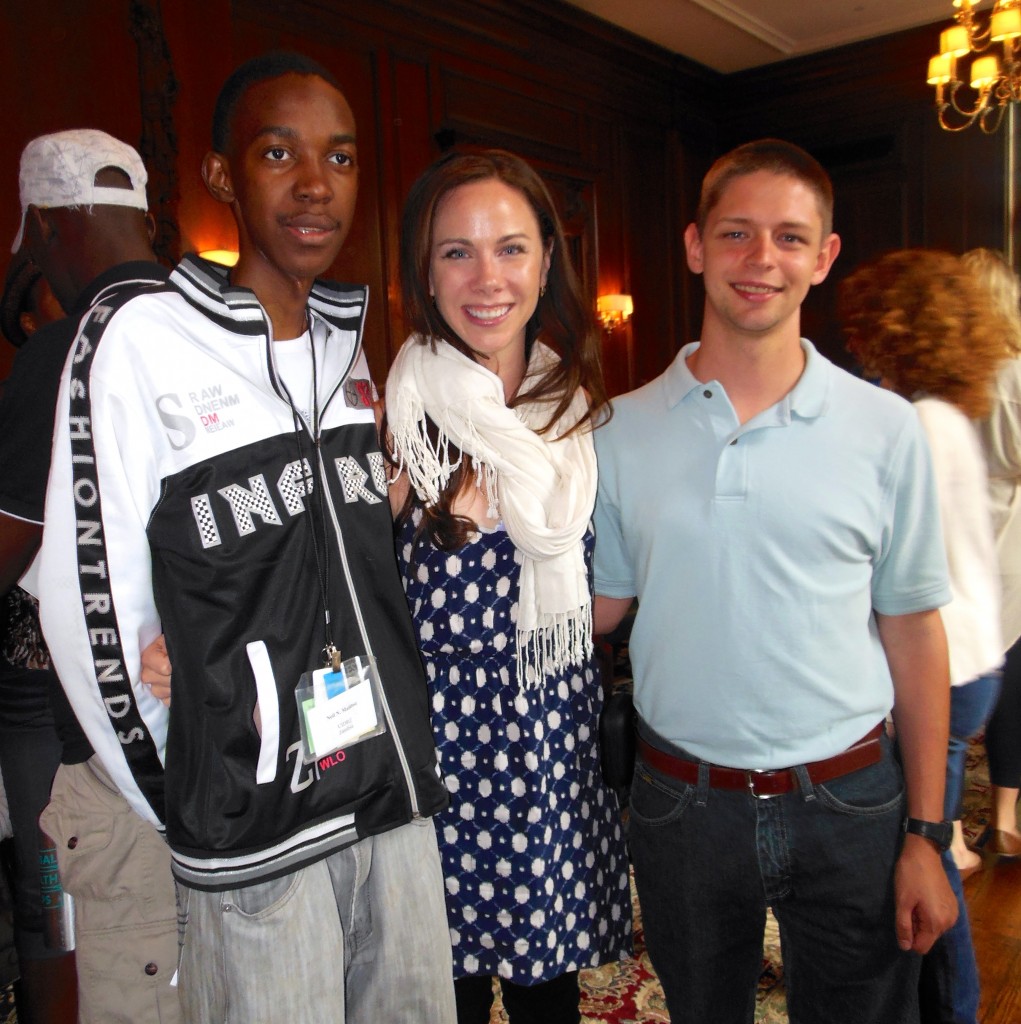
(60, 170)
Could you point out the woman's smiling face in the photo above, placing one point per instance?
(487, 264)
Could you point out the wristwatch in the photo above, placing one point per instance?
(939, 833)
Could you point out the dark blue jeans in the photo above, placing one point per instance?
(708, 862)
(949, 988)
(970, 708)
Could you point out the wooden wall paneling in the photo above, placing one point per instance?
(875, 211)
(413, 149)
(51, 82)
(202, 61)
(653, 247)
(690, 159)
(513, 116)
(158, 146)
(567, 51)
(835, 94)
(963, 198)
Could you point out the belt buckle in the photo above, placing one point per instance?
(749, 776)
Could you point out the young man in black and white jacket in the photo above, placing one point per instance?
(216, 475)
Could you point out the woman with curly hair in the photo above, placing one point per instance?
(919, 322)
(1000, 433)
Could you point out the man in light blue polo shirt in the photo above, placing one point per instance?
(776, 519)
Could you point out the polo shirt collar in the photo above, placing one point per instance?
(678, 380)
(808, 398)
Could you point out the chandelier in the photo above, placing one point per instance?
(996, 79)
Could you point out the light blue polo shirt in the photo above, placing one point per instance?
(758, 553)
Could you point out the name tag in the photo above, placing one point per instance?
(338, 708)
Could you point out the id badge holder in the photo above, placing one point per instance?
(338, 707)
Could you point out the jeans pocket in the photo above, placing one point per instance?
(874, 790)
(264, 898)
(656, 802)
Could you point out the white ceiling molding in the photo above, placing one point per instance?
(746, 22)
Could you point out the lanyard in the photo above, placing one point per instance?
(315, 483)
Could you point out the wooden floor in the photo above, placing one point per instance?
(994, 907)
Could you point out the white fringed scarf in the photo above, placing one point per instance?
(542, 486)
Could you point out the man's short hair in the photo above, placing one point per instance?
(59, 170)
(259, 69)
(775, 156)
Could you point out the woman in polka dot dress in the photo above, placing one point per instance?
(490, 431)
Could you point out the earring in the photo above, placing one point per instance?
(542, 291)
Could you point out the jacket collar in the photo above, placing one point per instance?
(207, 286)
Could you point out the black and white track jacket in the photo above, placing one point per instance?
(180, 500)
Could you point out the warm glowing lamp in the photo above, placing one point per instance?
(227, 257)
(1005, 25)
(984, 71)
(954, 41)
(940, 69)
(614, 310)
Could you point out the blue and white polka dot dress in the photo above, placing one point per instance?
(533, 855)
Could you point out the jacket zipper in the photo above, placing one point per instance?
(398, 745)
(342, 549)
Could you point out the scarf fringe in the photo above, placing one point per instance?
(429, 464)
(554, 647)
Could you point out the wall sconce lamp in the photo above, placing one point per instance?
(225, 256)
(614, 310)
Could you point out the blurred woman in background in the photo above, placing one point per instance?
(1000, 433)
(919, 323)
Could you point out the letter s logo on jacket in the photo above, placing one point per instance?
(175, 424)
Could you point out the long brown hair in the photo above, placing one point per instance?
(562, 316)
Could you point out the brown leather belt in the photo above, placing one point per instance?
(768, 783)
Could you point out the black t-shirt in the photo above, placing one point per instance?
(28, 405)
(29, 399)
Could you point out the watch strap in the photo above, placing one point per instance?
(940, 833)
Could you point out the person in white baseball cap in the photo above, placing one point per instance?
(77, 183)
(84, 224)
